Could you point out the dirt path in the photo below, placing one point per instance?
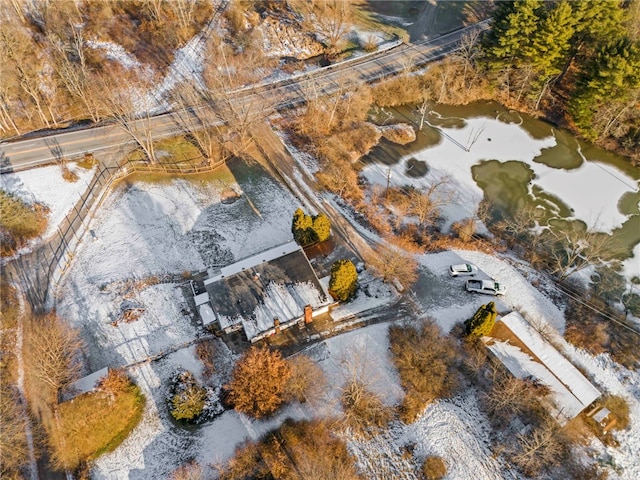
(274, 156)
(425, 25)
(33, 466)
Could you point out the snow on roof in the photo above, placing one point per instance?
(522, 365)
(206, 314)
(284, 302)
(601, 415)
(86, 384)
(252, 261)
(201, 298)
(557, 365)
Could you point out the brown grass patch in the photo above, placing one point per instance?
(93, 424)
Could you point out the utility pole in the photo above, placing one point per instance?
(386, 193)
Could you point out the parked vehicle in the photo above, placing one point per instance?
(463, 269)
(488, 287)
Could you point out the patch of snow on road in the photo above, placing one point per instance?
(520, 295)
(46, 185)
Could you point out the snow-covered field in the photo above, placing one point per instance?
(46, 185)
(161, 230)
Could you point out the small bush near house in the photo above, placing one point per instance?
(344, 280)
(94, 423)
(188, 397)
(434, 468)
(309, 229)
(425, 361)
(483, 320)
(258, 382)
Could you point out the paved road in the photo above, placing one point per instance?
(32, 152)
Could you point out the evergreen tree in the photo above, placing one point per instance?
(307, 229)
(344, 280)
(188, 398)
(302, 227)
(514, 25)
(321, 227)
(482, 321)
(613, 75)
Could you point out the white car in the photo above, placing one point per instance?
(488, 287)
(463, 269)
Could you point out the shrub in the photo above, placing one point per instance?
(258, 383)
(483, 320)
(188, 399)
(306, 449)
(307, 229)
(93, 424)
(321, 227)
(395, 262)
(307, 380)
(425, 360)
(344, 280)
(19, 222)
(434, 468)
(363, 409)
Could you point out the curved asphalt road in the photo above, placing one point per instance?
(33, 152)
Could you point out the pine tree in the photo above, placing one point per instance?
(307, 229)
(613, 75)
(321, 227)
(344, 280)
(188, 399)
(482, 321)
(514, 26)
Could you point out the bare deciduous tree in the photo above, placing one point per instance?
(573, 247)
(129, 103)
(426, 204)
(307, 382)
(394, 261)
(13, 443)
(52, 351)
(542, 448)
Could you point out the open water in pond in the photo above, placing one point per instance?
(514, 160)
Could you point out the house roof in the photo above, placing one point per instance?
(277, 283)
(571, 391)
(85, 384)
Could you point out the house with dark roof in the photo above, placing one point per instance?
(262, 294)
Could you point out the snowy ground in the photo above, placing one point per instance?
(46, 185)
(147, 230)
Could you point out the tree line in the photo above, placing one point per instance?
(577, 61)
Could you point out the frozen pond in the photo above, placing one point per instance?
(515, 160)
